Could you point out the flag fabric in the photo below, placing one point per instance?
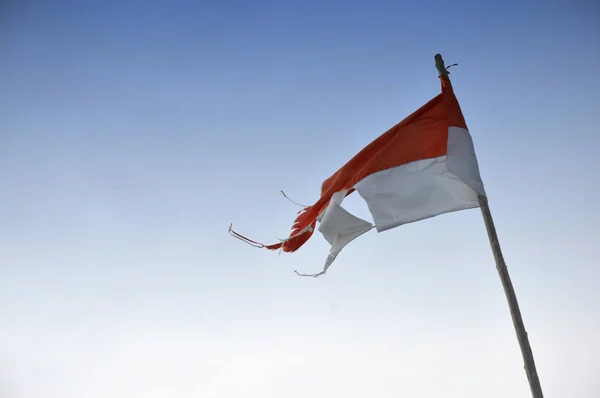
(422, 167)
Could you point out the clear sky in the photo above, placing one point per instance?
(132, 133)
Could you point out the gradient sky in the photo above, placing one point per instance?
(133, 132)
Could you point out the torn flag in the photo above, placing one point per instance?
(422, 167)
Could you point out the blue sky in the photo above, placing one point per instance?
(133, 133)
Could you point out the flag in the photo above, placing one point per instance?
(422, 167)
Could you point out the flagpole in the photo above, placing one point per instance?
(509, 291)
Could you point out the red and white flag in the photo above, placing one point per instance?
(422, 167)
